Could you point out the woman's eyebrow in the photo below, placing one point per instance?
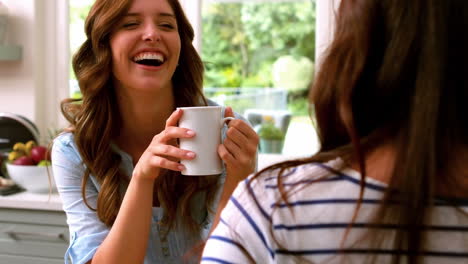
(167, 15)
(160, 14)
(131, 14)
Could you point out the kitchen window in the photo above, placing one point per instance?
(259, 58)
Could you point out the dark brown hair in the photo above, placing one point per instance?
(95, 117)
(394, 73)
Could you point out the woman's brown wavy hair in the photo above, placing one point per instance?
(395, 73)
(95, 118)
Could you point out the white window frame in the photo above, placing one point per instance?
(53, 56)
(324, 27)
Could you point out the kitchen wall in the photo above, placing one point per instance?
(34, 85)
(17, 80)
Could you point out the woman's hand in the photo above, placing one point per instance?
(239, 149)
(163, 152)
(239, 153)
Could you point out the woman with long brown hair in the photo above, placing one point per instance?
(389, 183)
(116, 167)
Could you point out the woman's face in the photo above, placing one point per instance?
(146, 47)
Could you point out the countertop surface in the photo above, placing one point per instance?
(52, 202)
(32, 201)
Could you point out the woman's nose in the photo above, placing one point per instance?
(151, 34)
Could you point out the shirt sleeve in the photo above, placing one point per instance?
(86, 230)
(242, 236)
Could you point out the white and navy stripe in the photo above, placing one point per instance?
(256, 222)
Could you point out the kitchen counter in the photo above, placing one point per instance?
(52, 202)
(33, 201)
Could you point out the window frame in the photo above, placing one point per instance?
(53, 56)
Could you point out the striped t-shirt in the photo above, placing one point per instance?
(257, 227)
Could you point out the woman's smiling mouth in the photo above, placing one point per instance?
(149, 59)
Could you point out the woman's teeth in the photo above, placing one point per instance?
(151, 59)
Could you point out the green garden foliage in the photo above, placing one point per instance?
(241, 41)
(270, 131)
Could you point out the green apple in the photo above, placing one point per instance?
(44, 163)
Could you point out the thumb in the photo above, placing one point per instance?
(228, 112)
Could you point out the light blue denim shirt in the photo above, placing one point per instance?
(87, 232)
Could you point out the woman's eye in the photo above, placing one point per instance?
(168, 26)
(130, 24)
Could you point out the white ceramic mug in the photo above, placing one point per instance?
(206, 122)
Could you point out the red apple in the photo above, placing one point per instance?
(38, 153)
(25, 161)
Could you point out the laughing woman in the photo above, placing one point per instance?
(116, 167)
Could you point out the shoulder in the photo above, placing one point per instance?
(271, 178)
(65, 138)
(64, 146)
(311, 179)
(211, 102)
(257, 203)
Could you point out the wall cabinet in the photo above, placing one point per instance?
(32, 236)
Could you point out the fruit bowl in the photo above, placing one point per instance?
(34, 179)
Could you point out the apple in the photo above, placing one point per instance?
(25, 161)
(38, 153)
(44, 163)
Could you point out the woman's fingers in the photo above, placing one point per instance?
(171, 133)
(225, 154)
(170, 151)
(174, 118)
(243, 128)
(239, 150)
(241, 138)
(163, 151)
(160, 162)
(228, 112)
(234, 140)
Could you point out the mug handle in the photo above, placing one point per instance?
(224, 120)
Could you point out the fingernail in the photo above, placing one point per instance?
(181, 167)
(190, 155)
(190, 133)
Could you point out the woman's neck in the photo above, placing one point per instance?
(142, 117)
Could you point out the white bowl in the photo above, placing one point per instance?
(33, 178)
